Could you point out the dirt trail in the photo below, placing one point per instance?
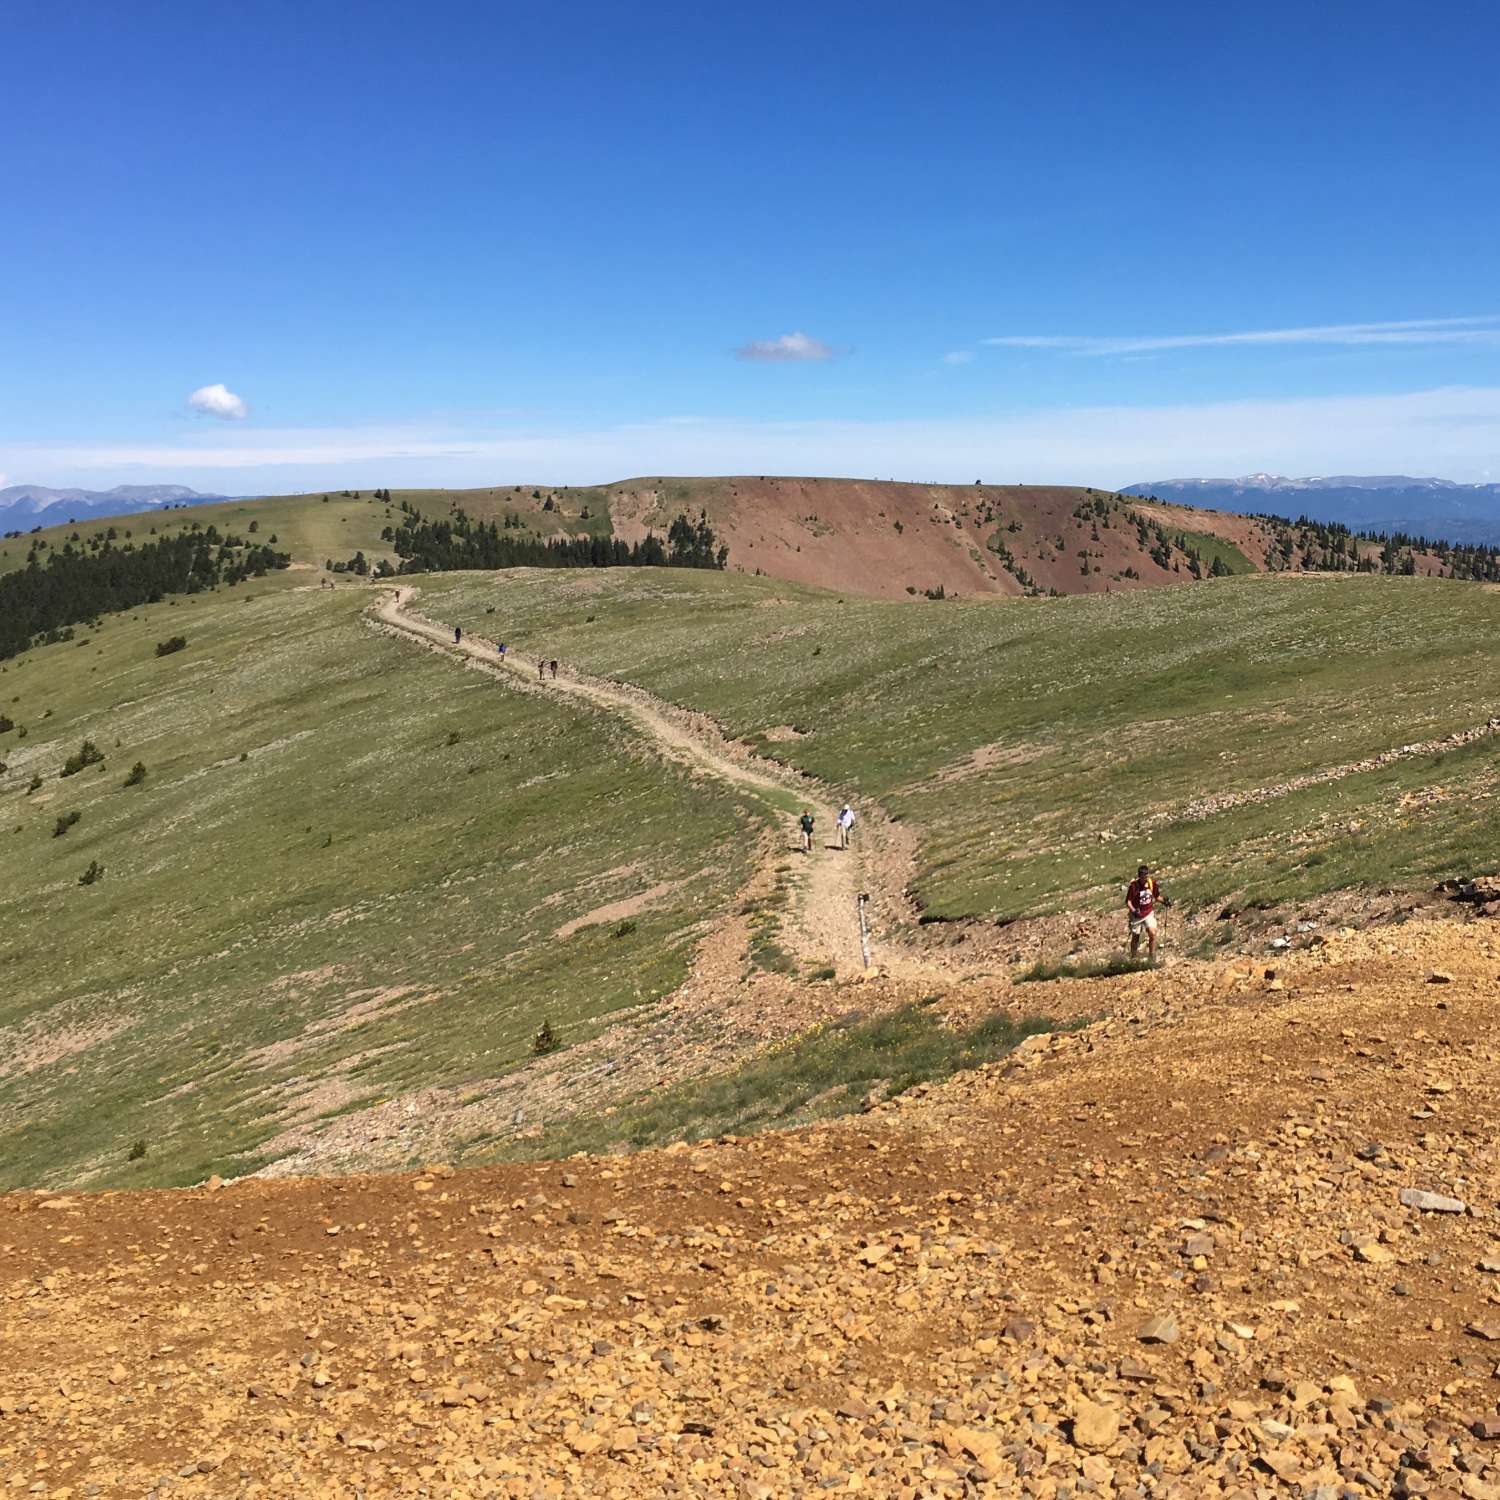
(825, 925)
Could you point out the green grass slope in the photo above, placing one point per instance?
(1042, 747)
(317, 528)
(342, 878)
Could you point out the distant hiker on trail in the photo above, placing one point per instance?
(541, 670)
(458, 635)
(805, 823)
(845, 824)
(553, 665)
(501, 650)
(1141, 901)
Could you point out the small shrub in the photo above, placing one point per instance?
(36, 782)
(454, 736)
(137, 774)
(6, 724)
(546, 1040)
(624, 929)
(137, 1151)
(93, 875)
(171, 644)
(89, 754)
(64, 822)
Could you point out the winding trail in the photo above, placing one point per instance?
(824, 926)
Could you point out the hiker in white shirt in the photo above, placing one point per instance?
(845, 823)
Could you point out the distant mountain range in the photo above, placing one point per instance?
(23, 506)
(1438, 509)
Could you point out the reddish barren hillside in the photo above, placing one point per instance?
(890, 540)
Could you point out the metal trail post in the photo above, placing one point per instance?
(864, 931)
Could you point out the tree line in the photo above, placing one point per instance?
(38, 603)
(1312, 546)
(459, 542)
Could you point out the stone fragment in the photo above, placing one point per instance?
(1282, 1462)
(1432, 1203)
(1095, 1426)
(1161, 1328)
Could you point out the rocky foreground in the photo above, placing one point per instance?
(1240, 1238)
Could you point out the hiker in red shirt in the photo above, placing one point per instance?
(1140, 905)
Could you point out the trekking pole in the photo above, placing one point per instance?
(864, 931)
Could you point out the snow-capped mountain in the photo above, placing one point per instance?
(1440, 509)
(23, 506)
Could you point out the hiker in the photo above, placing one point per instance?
(458, 635)
(1141, 901)
(845, 824)
(541, 670)
(805, 823)
(553, 665)
(501, 650)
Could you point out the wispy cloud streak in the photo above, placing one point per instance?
(1477, 330)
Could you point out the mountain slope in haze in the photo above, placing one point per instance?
(24, 506)
(1439, 509)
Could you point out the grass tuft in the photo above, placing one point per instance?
(825, 1071)
(1084, 968)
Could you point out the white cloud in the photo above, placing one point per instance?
(1479, 330)
(1453, 432)
(959, 357)
(218, 401)
(790, 348)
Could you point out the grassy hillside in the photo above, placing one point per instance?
(352, 871)
(1042, 747)
(346, 874)
(316, 528)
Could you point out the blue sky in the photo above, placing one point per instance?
(471, 243)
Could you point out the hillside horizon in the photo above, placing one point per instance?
(1433, 508)
(878, 538)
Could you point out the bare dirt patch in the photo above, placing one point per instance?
(622, 910)
(44, 1041)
